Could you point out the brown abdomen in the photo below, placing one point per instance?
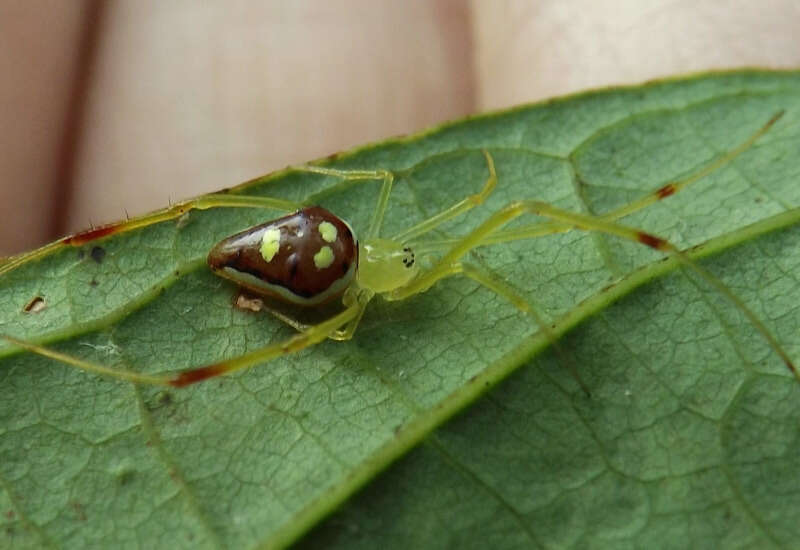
(305, 258)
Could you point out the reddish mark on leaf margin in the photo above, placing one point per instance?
(90, 235)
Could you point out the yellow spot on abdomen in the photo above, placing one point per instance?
(328, 232)
(323, 258)
(270, 243)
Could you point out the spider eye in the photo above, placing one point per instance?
(385, 265)
(408, 257)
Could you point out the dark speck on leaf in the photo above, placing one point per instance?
(77, 507)
(98, 253)
(125, 476)
(164, 398)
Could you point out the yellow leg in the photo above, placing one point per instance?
(313, 335)
(88, 366)
(354, 296)
(667, 190)
(586, 223)
(217, 200)
(427, 225)
(361, 175)
(341, 326)
(175, 211)
(300, 341)
(457, 209)
(502, 289)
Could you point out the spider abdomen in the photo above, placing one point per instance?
(306, 258)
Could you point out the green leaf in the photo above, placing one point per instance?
(691, 435)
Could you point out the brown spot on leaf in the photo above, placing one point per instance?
(248, 302)
(80, 513)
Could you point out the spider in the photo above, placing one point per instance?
(311, 258)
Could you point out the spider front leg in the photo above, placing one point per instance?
(663, 192)
(587, 223)
(462, 206)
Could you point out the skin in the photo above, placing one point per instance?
(79, 108)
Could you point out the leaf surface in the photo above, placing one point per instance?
(691, 432)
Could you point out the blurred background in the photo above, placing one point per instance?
(110, 107)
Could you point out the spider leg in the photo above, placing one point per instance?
(225, 200)
(457, 209)
(205, 202)
(361, 175)
(490, 281)
(88, 366)
(586, 223)
(298, 342)
(667, 190)
(344, 325)
(354, 296)
(425, 226)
